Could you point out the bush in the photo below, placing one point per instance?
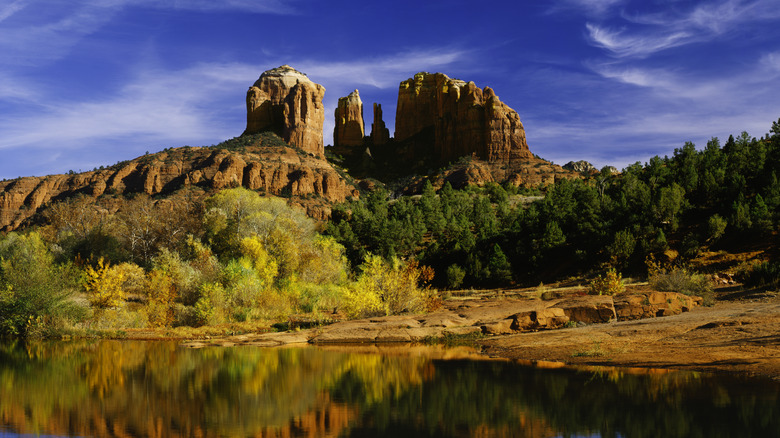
(609, 284)
(35, 294)
(765, 274)
(680, 280)
(390, 288)
(455, 276)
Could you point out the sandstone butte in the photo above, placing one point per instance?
(465, 121)
(286, 102)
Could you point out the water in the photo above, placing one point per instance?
(158, 389)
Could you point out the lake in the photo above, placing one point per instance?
(159, 389)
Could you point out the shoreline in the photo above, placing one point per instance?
(736, 337)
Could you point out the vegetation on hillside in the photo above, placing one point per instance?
(238, 256)
(720, 196)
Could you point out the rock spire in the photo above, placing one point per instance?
(349, 130)
(379, 133)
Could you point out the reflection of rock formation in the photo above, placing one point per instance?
(380, 135)
(349, 128)
(287, 103)
(463, 119)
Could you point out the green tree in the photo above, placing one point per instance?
(35, 294)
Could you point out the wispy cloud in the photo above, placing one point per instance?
(673, 26)
(39, 31)
(621, 44)
(593, 8)
(9, 10)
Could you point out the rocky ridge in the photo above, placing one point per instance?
(490, 317)
(262, 163)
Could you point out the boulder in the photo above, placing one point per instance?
(590, 309)
(463, 119)
(349, 128)
(581, 166)
(286, 102)
(653, 304)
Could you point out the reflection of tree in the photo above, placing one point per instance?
(157, 389)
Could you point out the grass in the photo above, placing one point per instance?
(594, 351)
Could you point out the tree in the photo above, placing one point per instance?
(34, 292)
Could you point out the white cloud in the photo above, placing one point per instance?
(623, 45)
(36, 32)
(673, 26)
(772, 61)
(588, 7)
(9, 10)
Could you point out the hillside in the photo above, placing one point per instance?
(261, 162)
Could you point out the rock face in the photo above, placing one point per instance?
(309, 182)
(380, 135)
(286, 102)
(463, 119)
(349, 128)
(581, 166)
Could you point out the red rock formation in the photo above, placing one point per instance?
(379, 133)
(463, 118)
(349, 128)
(286, 102)
(311, 182)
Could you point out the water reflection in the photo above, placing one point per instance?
(157, 389)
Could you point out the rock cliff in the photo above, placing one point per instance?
(349, 130)
(261, 162)
(286, 102)
(463, 119)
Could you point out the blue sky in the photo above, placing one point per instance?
(85, 83)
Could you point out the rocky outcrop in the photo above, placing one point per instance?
(349, 130)
(475, 316)
(653, 304)
(310, 182)
(581, 166)
(380, 135)
(463, 119)
(286, 102)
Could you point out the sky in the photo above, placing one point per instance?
(85, 83)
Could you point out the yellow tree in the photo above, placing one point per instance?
(103, 284)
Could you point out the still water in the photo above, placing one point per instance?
(159, 389)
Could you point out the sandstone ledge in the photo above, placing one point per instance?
(488, 317)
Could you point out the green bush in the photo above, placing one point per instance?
(765, 274)
(35, 293)
(682, 281)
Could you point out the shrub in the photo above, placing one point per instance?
(610, 283)
(103, 285)
(680, 280)
(455, 276)
(765, 274)
(34, 292)
(389, 288)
